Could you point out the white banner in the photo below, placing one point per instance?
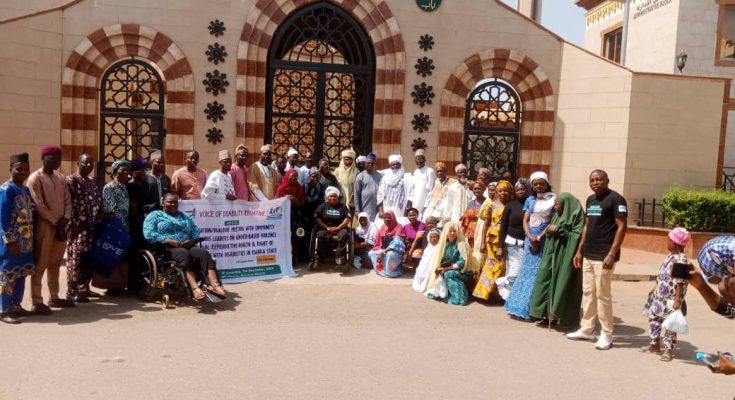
(249, 241)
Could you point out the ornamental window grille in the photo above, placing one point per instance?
(321, 73)
(492, 129)
(132, 96)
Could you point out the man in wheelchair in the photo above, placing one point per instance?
(332, 220)
(179, 234)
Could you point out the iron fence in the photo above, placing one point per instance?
(728, 179)
(650, 213)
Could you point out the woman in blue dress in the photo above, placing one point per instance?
(539, 209)
(178, 232)
(16, 247)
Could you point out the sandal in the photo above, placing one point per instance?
(217, 291)
(198, 294)
(651, 349)
(667, 356)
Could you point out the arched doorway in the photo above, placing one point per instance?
(320, 84)
(492, 129)
(131, 113)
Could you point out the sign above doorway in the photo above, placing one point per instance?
(428, 5)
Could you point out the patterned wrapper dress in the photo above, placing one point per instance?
(492, 268)
(86, 212)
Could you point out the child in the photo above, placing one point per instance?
(421, 278)
(667, 296)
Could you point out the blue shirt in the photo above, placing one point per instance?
(160, 226)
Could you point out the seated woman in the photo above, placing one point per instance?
(448, 261)
(416, 251)
(364, 240)
(415, 229)
(179, 233)
(332, 219)
(387, 254)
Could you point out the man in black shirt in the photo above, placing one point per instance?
(599, 249)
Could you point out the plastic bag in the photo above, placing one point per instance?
(440, 288)
(676, 322)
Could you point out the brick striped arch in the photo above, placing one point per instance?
(381, 26)
(81, 79)
(537, 98)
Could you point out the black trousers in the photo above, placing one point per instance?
(323, 239)
(195, 259)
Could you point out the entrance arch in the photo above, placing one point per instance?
(320, 84)
(131, 113)
(383, 31)
(537, 101)
(492, 129)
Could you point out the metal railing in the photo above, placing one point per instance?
(728, 179)
(650, 213)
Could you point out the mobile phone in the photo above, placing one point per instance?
(681, 271)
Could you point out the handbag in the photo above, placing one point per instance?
(108, 249)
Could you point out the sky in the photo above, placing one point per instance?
(562, 17)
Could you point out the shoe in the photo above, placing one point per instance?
(667, 356)
(60, 303)
(605, 342)
(78, 298)
(41, 309)
(579, 335)
(653, 349)
(19, 312)
(9, 319)
(91, 294)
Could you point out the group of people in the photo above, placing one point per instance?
(53, 214)
(541, 254)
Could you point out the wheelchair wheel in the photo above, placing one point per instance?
(312, 250)
(349, 259)
(148, 275)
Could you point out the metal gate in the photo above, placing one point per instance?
(492, 129)
(131, 113)
(321, 71)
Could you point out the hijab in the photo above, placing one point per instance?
(368, 233)
(294, 189)
(436, 259)
(394, 230)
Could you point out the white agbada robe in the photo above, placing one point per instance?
(421, 183)
(218, 186)
(459, 197)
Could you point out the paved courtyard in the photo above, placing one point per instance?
(326, 336)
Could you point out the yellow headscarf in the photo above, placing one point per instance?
(436, 259)
(346, 176)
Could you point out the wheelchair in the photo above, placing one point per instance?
(159, 274)
(314, 250)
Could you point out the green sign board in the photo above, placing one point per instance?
(428, 5)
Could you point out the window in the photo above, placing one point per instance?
(612, 45)
(725, 47)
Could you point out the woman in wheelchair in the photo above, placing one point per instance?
(332, 219)
(179, 234)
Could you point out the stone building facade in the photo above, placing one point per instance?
(472, 81)
(660, 29)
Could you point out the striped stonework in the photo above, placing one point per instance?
(537, 98)
(382, 28)
(81, 80)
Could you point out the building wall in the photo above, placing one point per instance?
(30, 85)
(674, 133)
(16, 8)
(652, 36)
(600, 21)
(592, 122)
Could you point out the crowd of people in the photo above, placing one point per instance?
(541, 254)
